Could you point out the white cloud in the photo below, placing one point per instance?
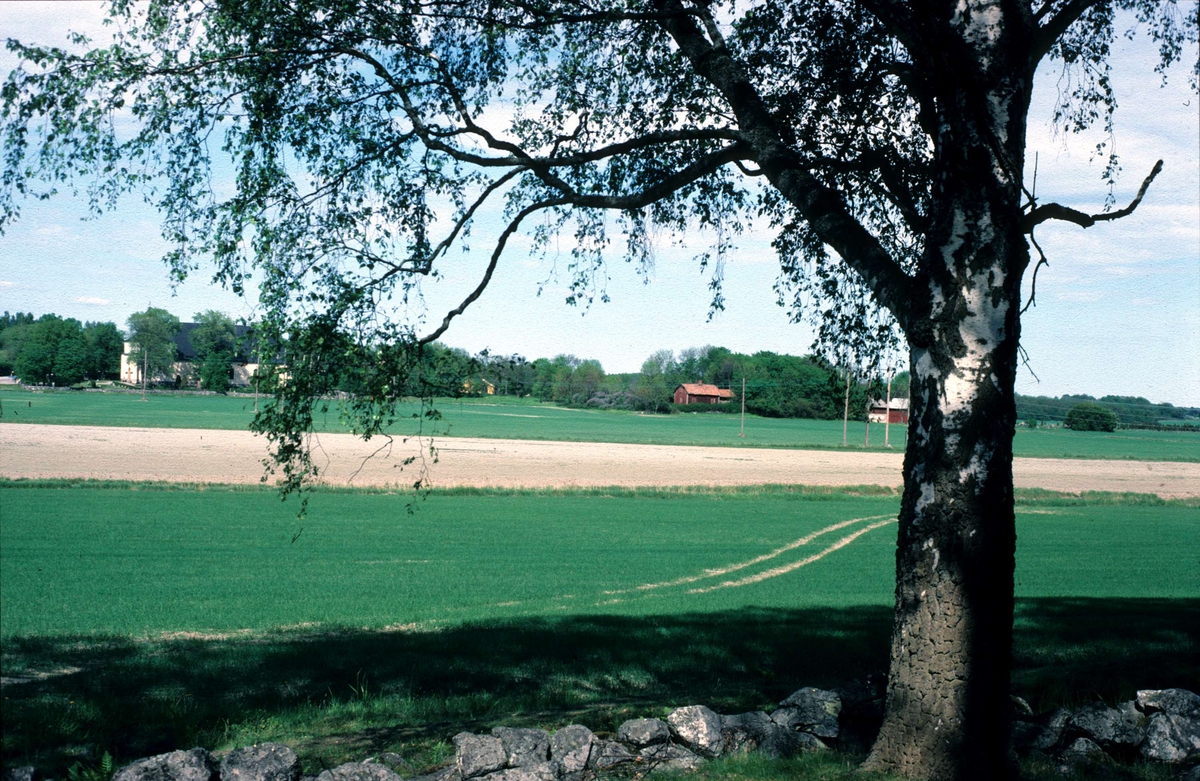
(92, 300)
(6, 283)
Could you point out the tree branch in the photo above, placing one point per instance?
(1052, 30)
(509, 230)
(824, 208)
(1056, 211)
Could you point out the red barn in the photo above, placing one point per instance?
(880, 412)
(694, 393)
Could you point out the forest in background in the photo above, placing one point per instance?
(65, 352)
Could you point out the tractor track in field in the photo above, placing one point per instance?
(216, 456)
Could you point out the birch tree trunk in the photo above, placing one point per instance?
(948, 707)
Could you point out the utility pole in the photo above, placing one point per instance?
(887, 415)
(145, 370)
(743, 434)
(846, 410)
(867, 435)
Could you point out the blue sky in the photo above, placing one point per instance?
(1118, 310)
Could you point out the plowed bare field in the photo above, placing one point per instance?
(213, 456)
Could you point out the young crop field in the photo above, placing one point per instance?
(151, 559)
(142, 617)
(512, 418)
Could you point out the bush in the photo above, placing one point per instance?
(1090, 416)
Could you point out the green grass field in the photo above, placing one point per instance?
(148, 617)
(510, 418)
(88, 560)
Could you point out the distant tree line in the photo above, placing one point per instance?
(53, 350)
(56, 350)
(63, 351)
(776, 385)
(1130, 411)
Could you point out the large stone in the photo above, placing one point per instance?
(571, 746)
(810, 710)
(24, 773)
(863, 698)
(478, 755)
(746, 731)
(542, 771)
(193, 765)
(607, 754)
(1175, 702)
(524, 747)
(644, 732)
(359, 771)
(1109, 727)
(447, 773)
(698, 728)
(1171, 738)
(392, 760)
(1041, 733)
(1084, 752)
(755, 731)
(1023, 734)
(264, 762)
(664, 756)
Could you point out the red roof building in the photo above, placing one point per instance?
(695, 393)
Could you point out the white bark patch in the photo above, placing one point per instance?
(977, 467)
(958, 235)
(981, 329)
(936, 554)
(980, 23)
(1000, 123)
(924, 500)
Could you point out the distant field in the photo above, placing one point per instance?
(510, 418)
(143, 560)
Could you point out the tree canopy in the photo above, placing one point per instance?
(215, 341)
(62, 351)
(152, 336)
(1090, 416)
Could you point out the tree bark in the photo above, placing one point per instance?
(948, 701)
(948, 687)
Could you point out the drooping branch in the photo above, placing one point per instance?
(1056, 211)
(509, 230)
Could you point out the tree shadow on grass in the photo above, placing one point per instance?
(347, 693)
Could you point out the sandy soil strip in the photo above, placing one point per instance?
(212, 456)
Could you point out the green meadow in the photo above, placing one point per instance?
(144, 617)
(142, 560)
(512, 418)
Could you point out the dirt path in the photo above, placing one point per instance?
(209, 456)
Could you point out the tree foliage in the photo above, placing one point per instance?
(214, 339)
(1090, 416)
(152, 336)
(59, 350)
